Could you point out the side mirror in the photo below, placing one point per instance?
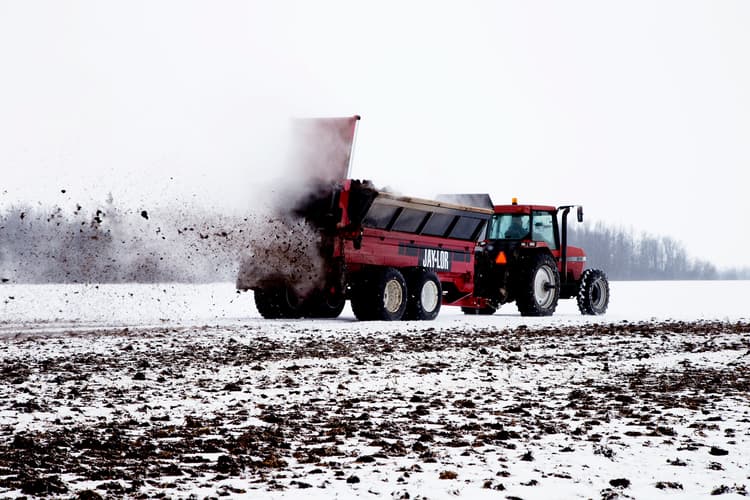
(579, 213)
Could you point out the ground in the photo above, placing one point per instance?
(492, 409)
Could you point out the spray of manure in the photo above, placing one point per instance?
(109, 242)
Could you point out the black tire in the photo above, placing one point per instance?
(425, 295)
(325, 305)
(361, 298)
(278, 303)
(380, 295)
(538, 287)
(593, 294)
(484, 311)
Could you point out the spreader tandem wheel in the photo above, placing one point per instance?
(593, 296)
(380, 294)
(278, 303)
(324, 304)
(425, 295)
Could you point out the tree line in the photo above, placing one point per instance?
(108, 244)
(625, 255)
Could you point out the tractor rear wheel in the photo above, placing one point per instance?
(279, 302)
(425, 295)
(593, 294)
(538, 287)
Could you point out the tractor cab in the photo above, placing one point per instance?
(516, 228)
(525, 224)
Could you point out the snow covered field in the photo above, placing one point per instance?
(45, 307)
(182, 390)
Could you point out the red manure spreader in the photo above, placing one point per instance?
(402, 258)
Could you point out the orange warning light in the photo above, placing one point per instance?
(501, 259)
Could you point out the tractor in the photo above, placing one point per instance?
(525, 258)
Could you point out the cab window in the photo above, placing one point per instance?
(544, 228)
(509, 227)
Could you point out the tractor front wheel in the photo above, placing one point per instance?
(593, 295)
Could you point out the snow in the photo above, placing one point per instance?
(45, 307)
(541, 407)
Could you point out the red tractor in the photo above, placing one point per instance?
(525, 258)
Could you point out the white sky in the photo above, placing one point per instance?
(640, 110)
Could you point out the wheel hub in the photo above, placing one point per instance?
(544, 287)
(393, 296)
(429, 296)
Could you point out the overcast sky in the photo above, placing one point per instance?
(638, 110)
